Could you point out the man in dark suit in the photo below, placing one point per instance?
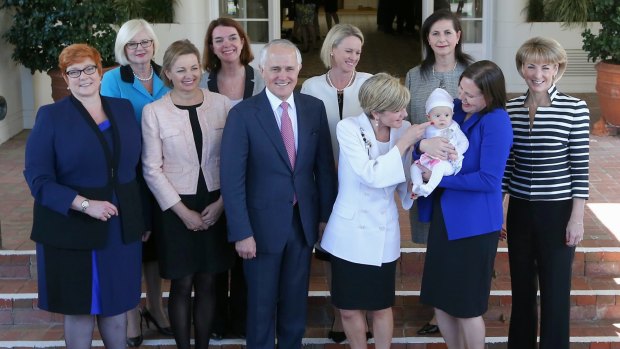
(278, 183)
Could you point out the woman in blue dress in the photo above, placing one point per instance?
(81, 160)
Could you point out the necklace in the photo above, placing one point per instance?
(329, 81)
(146, 79)
(442, 83)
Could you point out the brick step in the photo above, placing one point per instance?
(589, 261)
(591, 299)
(584, 335)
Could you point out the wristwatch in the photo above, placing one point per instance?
(85, 204)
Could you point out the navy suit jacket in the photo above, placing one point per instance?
(66, 155)
(257, 182)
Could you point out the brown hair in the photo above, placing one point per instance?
(77, 53)
(429, 60)
(489, 78)
(210, 61)
(176, 49)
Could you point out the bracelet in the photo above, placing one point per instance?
(578, 223)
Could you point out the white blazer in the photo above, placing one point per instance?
(318, 87)
(363, 227)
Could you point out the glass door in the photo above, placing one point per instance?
(252, 14)
(476, 20)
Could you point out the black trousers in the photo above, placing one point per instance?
(539, 257)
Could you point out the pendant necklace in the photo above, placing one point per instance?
(442, 83)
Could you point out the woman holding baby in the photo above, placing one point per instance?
(467, 209)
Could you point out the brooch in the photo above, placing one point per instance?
(366, 141)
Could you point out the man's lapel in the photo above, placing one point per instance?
(268, 121)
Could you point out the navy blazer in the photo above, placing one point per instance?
(472, 199)
(66, 155)
(257, 182)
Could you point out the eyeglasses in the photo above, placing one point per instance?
(143, 43)
(75, 73)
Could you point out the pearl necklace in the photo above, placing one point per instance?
(143, 79)
(442, 83)
(329, 81)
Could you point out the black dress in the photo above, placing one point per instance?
(183, 251)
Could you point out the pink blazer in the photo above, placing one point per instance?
(169, 157)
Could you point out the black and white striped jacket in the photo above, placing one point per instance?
(550, 161)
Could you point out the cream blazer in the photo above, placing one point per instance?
(169, 157)
(363, 227)
(318, 87)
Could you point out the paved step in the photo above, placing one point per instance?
(589, 261)
(593, 299)
(584, 335)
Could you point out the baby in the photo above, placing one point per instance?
(439, 107)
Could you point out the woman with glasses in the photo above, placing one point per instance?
(137, 79)
(81, 161)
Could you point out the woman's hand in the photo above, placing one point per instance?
(503, 234)
(574, 232)
(101, 210)
(191, 219)
(212, 213)
(412, 135)
(146, 235)
(438, 147)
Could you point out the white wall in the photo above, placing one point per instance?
(10, 85)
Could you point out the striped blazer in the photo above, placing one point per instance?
(550, 160)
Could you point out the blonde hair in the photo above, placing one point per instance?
(128, 30)
(334, 37)
(383, 92)
(174, 51)
(542, 50)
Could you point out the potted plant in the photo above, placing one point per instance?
(42, 28)
(604, 47)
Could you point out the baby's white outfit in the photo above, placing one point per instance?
(440, 168)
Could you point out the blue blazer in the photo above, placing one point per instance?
(472, 199)
(120, 82)
(66, 155)
(257, 182)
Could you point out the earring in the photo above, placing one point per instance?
(376, 122)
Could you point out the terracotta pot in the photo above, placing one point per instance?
(59, 86)
(608, 90)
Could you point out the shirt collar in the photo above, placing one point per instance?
(275, 101)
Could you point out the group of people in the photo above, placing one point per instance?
(222, 178)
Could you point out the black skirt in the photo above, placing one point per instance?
(457, 273)
(362, 287)
(182, 252)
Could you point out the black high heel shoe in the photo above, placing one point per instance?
(146, 315)
(134, 342)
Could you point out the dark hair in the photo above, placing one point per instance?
(210, 62)
(429, 60)
(489, 78)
